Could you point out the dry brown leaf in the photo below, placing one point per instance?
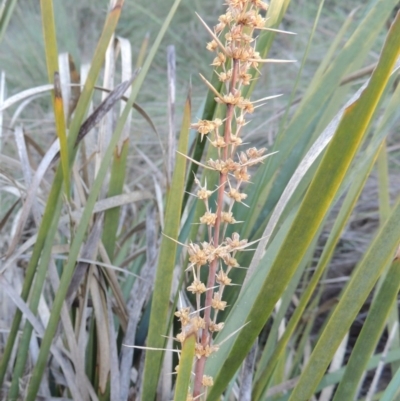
(139, 295)
(102, 330)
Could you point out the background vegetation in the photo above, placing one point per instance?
(327, 269)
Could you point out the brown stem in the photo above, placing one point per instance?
(206, 335)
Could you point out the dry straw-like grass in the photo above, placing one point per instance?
(109, 243)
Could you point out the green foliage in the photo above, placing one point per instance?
(95, 283)
(185, 368)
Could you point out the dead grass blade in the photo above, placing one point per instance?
(337, 363)
(109, 203)
(100, 111)
(23, 154)
(112, 279)
(4, 220)
(372, 391)
(56, 251)
(31, 195)
(123, 47)
(159, 200)
(2, 97)
(32, 143)
(167, 368)
(70, 83)
(104, 108)
(115, 393)
(75, 86)
(117, 47)
(105, 128)
(120, 200)
(21, 107)
(58, 354)
(171, 67)
(10, 162)
(154, 168)
(77, 357)
(65, 82)
(246, 382)
(25, 165)
(97, 290)
(20, 251)
(24, 95)
(139, 109)
(82, 315)
(89, 251)
(139, 295)
(26, 168)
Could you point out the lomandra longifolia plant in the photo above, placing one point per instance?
(233, 41)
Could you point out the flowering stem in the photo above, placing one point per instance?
(235, 57)
(206, 335)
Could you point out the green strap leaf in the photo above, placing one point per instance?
(370, 334)
(162, 288)
(266, 369)
(185, 368)
(317, 201)
(50, 44)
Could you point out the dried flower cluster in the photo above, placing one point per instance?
(233, 41)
